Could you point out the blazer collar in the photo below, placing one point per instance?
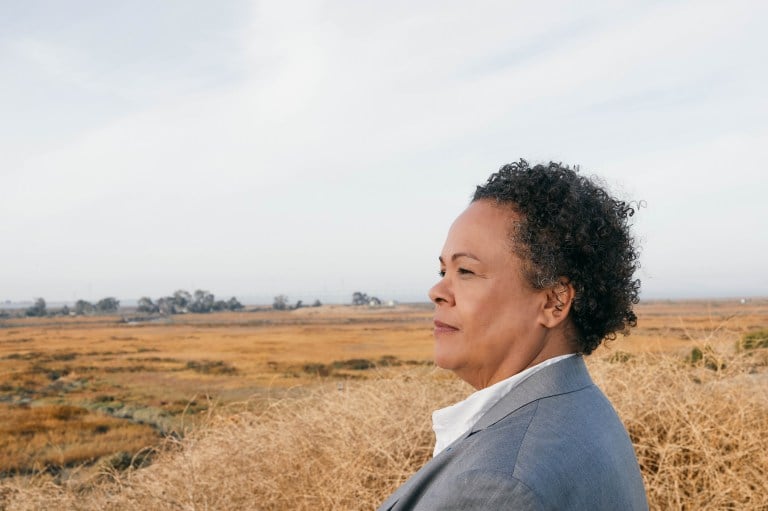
(565, 376)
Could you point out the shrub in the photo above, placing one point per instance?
(707, 357)
(317, 369)
(754, 340)
(211, 367)
(620, 357)
(356, 364)
(389, 360)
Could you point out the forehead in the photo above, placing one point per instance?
(483, 227)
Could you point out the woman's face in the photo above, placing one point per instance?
(488, 320)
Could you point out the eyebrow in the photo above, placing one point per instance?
(457, 255)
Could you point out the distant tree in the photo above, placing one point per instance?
(146, 305)
(234, 304)
(202, 302)
(166, 305)
(374, 302)
(181, 300)
(359, 298)
(280, 302)
(82, 307)
(64, 311)
(299, 305)
(38, 309)
(317, 303)
(108, 304)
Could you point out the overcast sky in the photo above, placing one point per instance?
(317, 148)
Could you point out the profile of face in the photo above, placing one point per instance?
(489, 322)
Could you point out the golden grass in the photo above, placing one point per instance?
(36, 438)
(700, 436)
(700, 429)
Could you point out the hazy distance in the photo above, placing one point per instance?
(314, 149)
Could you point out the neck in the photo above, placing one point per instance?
(552, 343)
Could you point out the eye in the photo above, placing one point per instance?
(464, 271)
(441, 273)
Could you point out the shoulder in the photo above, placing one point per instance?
(487, 489)
(567, 450)
(577, 451)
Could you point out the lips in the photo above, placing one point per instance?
(444, 328)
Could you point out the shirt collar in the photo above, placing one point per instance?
(450, 423)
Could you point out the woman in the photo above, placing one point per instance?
(536, 272)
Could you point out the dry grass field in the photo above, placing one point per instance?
(293, 410)
(75, 390)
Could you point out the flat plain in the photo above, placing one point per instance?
(75, 389)
(85, 396)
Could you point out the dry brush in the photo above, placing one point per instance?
(700, 432)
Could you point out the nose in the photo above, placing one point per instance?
(441, 293)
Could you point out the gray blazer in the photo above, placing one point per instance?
(554, 442)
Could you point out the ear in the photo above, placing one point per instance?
(559, 301)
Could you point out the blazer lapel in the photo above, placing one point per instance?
(562, 377)
(419, 480)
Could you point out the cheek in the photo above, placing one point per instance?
(485, 313)
(496, 323)
(492, 338)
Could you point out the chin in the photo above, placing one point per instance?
(444, 359)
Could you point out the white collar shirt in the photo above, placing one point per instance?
(454, 421)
